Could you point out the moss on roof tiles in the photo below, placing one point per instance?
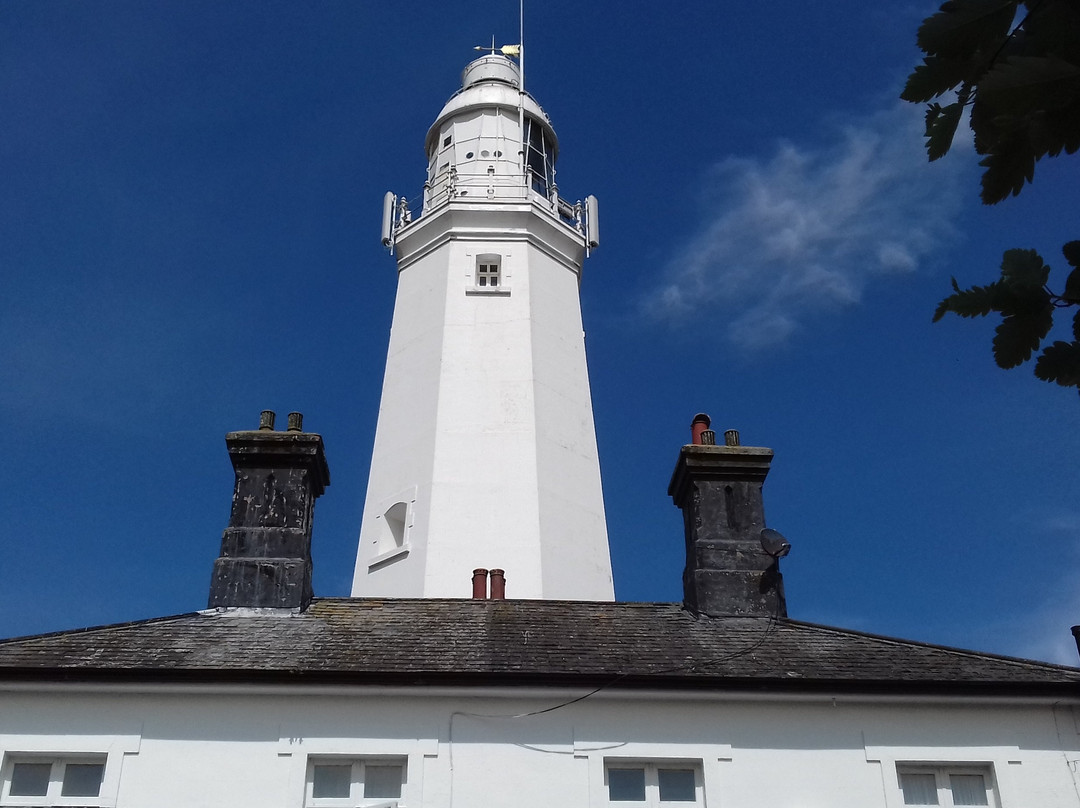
(512, 641)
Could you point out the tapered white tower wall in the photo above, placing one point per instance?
(485, 453)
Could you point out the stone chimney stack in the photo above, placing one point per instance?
(718, 489)
(266, 549)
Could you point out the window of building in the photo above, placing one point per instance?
(345, 782)
(540, 156)
(489, 277)
(487, 274)
(945, 785)
(42, 780)
(654, 784)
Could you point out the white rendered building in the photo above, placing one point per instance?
(485, 453)
(441, 704)
(274, 699)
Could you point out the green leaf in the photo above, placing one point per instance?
(978, 301)
(940, 131)
(934, 77)
(1071, 251)
(1007, 169)
(1060, 363)
(1024, 268)
(1071, 295)
(965, 27)
(1051, 132)
(1017, 337)
(1052, 26)
(1021, 85)
(1076, 326)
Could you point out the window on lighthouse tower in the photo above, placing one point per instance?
(487, 272)
(540, 157)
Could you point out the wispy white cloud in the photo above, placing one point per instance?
(802, 231)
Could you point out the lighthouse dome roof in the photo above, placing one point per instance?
(491, 82)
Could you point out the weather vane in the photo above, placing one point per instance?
(505, 50)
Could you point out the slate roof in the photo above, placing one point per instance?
(518, 642)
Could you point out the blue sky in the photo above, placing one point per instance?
(190, 198)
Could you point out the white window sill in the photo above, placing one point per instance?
(390, 555)
(496, 292)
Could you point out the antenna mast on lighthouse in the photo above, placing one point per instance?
(521, 86)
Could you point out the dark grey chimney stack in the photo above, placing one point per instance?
(266, 549)
(727, 572)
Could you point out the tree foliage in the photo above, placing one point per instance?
(1015, 64)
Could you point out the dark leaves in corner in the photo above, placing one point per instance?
(1060, 363)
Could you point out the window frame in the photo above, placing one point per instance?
(943, 787)
(53, 795)
(652, 768)
(488, 272)
(999, 762)
(358, 764)
(488, 266)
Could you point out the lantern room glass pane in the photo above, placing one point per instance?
(539, 156)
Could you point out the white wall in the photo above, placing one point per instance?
(485, 423)
(239, 748)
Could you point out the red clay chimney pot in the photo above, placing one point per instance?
(498, 585)
(479, 584)
(700, 424)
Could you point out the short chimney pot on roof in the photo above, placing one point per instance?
(266, 420)
(498, 584)
(700, 423)
(479, 584)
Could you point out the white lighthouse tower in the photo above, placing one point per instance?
(485, 453)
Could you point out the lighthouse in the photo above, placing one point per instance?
(485, 451)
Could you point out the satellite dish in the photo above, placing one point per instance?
(774, 543)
